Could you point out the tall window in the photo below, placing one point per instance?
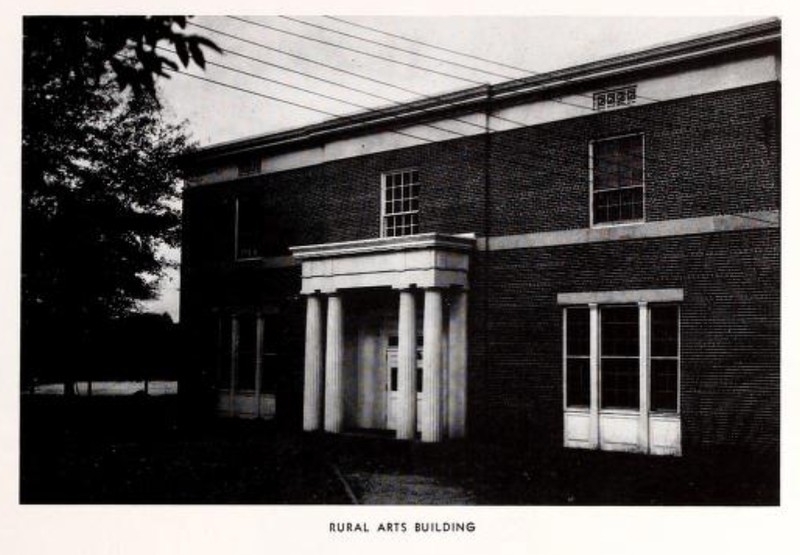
(617, 176)
(239, 347)
(618, 359)
(249, 227)
(577, 356)
(664, 349)
(400, 203)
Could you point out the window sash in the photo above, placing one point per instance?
(617, 178)
(618, 364)
(400, 203)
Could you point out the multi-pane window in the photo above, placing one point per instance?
(664, 349)
(617, 175)
(249, 227)
(400, 203)
(616, 98)
(619, 357)
(577, 356)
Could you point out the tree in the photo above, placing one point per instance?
(100, 181)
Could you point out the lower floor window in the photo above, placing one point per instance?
(622, 371)
(247, 353)
(617, 354)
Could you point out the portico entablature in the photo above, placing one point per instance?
(425, 261)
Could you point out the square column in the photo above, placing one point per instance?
(643, 434)
(314, 374)
(432, 421)
(457, 365)
(594, 376)
(334, 366)
(407, 367)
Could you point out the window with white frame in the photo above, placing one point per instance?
(577, 360)
(617, 179)
(618, 357)
(400, 207)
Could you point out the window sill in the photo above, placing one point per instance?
(606, 225)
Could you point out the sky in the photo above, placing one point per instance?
(294, 60)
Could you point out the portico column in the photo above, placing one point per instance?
(432, 424)
(407, 367)
(314, 377)
(457, 365)
(334, 367)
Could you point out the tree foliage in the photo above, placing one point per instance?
(100, 182)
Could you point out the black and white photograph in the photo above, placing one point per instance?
(400, 273)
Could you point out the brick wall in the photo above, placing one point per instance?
(706, 155)
(729, 331)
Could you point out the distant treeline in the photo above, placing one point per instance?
(142, 346)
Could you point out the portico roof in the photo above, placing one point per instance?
(425, 260)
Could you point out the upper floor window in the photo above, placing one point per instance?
(617, 179)
(616, 98)
(249, 227)
(400, 207)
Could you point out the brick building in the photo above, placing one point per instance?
(585, 258)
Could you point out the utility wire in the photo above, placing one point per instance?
(422, 95)
(354, 50)
(562, 81)
(429, 45)
(378, 43)
(303, 58)
(514, 162)
(459, 53)
(367, 109)
(510, 161)
(284, 101)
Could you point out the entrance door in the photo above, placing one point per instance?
(392, 382)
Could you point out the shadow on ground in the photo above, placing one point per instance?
(140, 450)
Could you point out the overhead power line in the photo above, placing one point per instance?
(303, 58)
(516, 123)
(466, 55)
(557, 100)
(429, 45)
(355, 50)
(422, 95)
(559, 156)
(412, 52)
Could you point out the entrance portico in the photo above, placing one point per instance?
(347, 380)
